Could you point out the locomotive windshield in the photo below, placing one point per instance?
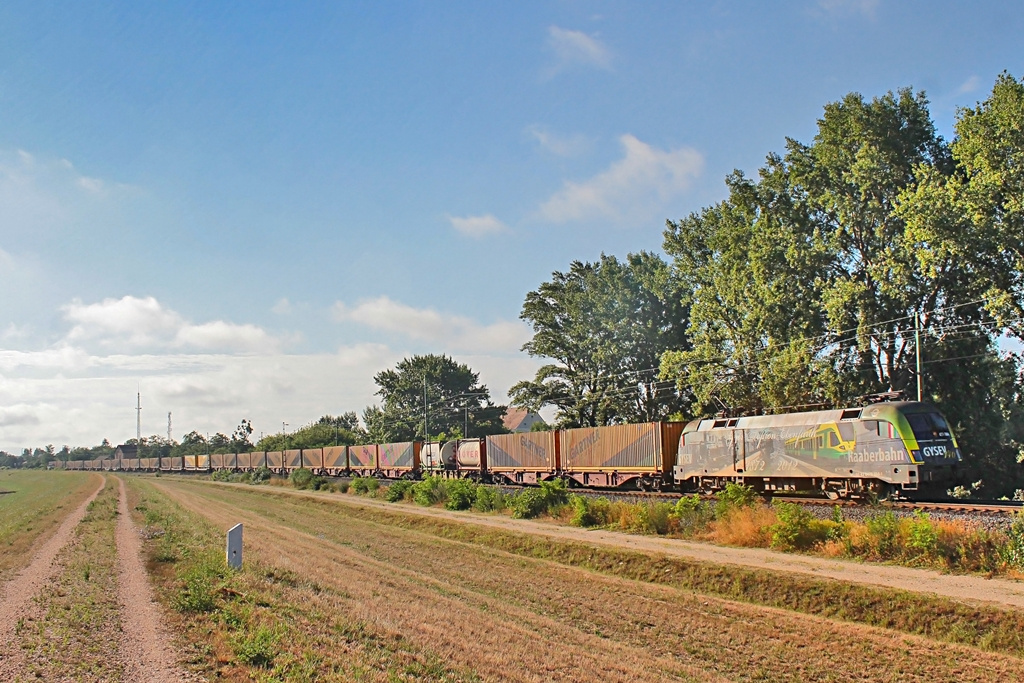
(928, 426)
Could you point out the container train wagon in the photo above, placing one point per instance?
(897, 448)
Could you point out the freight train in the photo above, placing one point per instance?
(899, 449)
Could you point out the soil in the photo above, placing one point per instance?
(968, 588)
(129, 638)
(143, 638)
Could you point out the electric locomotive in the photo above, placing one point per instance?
(895, 449)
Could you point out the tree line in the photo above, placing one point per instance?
(831, 274)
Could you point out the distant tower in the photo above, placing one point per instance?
(168, 426)
(138, 418)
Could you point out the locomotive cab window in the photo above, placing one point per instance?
(833, 440)
(928, 427)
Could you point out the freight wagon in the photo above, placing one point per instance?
(896, 448)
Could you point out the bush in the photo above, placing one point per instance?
(589, 512)
(489, 499)
(732, 497)
(261, 475)
(547, 498)
(321, 484)
(343, 486)
(796, 528)
(922, 536)
(431, 491)
(692, 515)
(301, 478)
(398, 490)
(361, 485)
(220, 475)
(461, 494)
(1013, 550)
(882, 534)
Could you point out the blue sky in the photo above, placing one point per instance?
(247, 209)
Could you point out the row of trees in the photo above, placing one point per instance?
(815, 283)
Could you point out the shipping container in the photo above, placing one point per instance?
(471, 454)
(362, 459)
(438, 456)
(203, 462)
(175, 464)
(396, 460)
(231, 461)
(217, 461)
(275, 461)
(524, 458)
(313, 459)
(635, 454)
(136, 464)
(293, 459)
(336, 459)
(257, 459)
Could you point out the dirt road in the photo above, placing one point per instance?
(82, 609)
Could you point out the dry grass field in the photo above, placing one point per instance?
(332, 591)
(32, 506)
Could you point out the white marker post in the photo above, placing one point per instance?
(234, 550)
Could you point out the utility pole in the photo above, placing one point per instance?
(917, 344)
(138, 418)
(168, 427)
(425, 407)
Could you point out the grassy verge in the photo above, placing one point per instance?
(38, 501)
(73, 634)
(264, 622)
(988, 628)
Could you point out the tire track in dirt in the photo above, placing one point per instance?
(145, 643)
(17, 593)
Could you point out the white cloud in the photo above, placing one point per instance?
(143, 322)
(477, 226)
(845, 7)
(282, 307)
(426, 324)
(43, 195)
(575, 48)
(970, 85)
(559, 145)
(642, 180)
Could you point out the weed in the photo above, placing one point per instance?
(431, 491)
(86, 572)
(261, 475)
(882, 534)
(461, 494)
(1013, 551)
(734, 496)
(344, 486)
(922, 536)
(257, 648)
(398, 490)
(220, 475)
(589, 512)
(199, 590)
(489, 499)
(301, 478)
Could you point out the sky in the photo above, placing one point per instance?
(247, 209)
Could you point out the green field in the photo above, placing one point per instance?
(32, 505)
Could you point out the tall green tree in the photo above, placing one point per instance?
(809, 285)
(605, 325)
(430, 395)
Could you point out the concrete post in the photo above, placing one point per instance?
(234, 548)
